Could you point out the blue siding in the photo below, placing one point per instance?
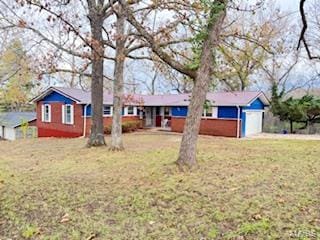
(256, 105)
(223, 112)
(89, 109)
(179, 111)
(57, 97)
(227, 112)
(243, 122)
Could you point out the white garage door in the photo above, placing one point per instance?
(253, 122)
(9, 133)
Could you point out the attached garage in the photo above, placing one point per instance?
(252, 116)
(253, 123)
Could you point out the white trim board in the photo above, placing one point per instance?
(253, 110)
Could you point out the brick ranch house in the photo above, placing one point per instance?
(66, 112)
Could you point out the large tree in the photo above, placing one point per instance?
(129, 46)
(209, 40)
(87, 33)
(200, 69)
(116, 139)
(64, 17)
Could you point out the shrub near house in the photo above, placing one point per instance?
(129, 126)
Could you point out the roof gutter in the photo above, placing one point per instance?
(85, 121)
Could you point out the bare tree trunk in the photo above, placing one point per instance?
(153, 83)
(116, 133)
(97, 128)
(243, 85)
(187, 154)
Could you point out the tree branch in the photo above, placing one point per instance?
(302, 39)
(155, 46)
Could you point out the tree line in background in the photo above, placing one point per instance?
(198, 45)
(17, 80)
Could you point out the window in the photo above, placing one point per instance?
(204, 112)
(67, 114)
(46, 113)
(167, 111)
(210, 112)
(130, 110)
(107, 110)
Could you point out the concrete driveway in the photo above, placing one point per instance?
(284, 136)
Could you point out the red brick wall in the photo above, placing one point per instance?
(214, 127)
(56, 128)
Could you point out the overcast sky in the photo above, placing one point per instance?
(292, 5)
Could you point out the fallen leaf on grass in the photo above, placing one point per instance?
(65, 218)
(257, 217)
(92, 236)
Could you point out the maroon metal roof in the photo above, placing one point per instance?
(216, 99)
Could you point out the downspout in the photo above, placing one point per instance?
(85, 121)
(238, 122)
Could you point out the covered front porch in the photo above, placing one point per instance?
(155, 116)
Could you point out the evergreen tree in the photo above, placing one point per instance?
(295, 110)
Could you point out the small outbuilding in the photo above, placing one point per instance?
(17, 125)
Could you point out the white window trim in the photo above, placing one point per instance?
(214, 113)
(135, 111)
(111, 111)
(64, 114)
(253, 110)
(43, 108)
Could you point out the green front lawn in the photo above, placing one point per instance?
(244, 189)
